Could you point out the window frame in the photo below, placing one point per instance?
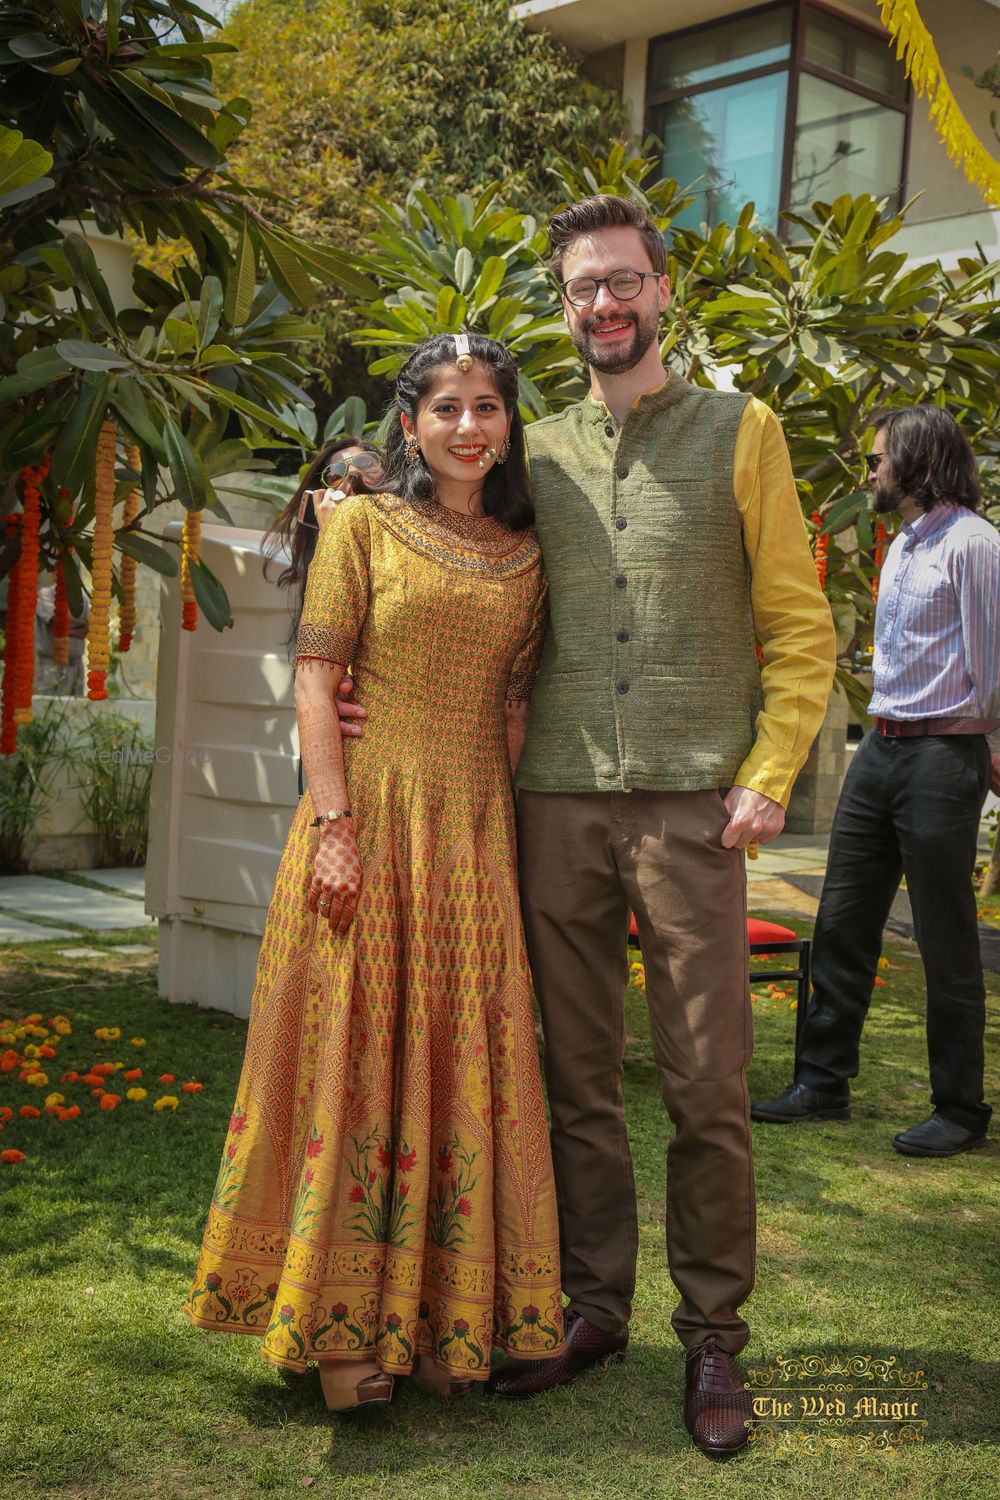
(795, 65)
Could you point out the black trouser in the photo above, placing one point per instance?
(909, 807)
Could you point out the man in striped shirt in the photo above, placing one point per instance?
(913, 797)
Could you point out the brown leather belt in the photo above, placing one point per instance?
(898, 729)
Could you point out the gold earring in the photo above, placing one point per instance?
(504, 452)
(413, 453)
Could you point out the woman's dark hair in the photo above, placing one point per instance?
(286, 533)
(930, 456)
(506, 495)
(589, 215)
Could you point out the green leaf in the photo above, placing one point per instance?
(252, 409)
(164, 121)
(209, 310)
(463, 268)
(210, 596)
(32, 437)
(21, 161)
(147, 552)
(76, 447)
(128, 401)
(186, 468)
(180, 335)
(287, 270)
(490, 280)
(89, 280)
(83, 355)
(34, 370)
(241, 280)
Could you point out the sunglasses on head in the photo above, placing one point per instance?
(341, 466)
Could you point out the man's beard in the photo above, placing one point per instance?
(617, 361)
(886, 496)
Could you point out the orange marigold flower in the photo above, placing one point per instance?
(46, 1051)
(132, 1073)
(29, 1112)
(167, 1078)
(70, 1113)
(6, 1113)
(110, 1101)
(880, 982)
(11, 1156)
(9, 1061)
(192, 1088)
(103, 1069)
(70, 1077)
(92, 1078)
(97, 1093)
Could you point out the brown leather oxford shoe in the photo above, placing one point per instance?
(585, 1345)
(717, 1410)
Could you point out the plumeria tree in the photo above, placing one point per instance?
(110, 125)
(831, 327)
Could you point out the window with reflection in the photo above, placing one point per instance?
(779, 106)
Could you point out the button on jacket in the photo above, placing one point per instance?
(670, 543)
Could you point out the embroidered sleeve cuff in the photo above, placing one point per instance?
(322, 643)
(519, 687)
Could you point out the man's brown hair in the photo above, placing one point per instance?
(603, 212)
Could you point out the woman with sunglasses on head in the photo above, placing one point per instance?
(385, 1204)
(345, 466)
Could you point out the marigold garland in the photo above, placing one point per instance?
(127, 566)
(27, 591)
(8, 727)
(878, 556)
(98, 650)
(821, 548)
(915, 47)
(191, 552)
(60, 610)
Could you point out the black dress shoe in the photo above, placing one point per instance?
(585, 1345)
(800, 1102)
(717, 1408)
(937, 1136)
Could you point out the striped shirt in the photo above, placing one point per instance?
(937, 624)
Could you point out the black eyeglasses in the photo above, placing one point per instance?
(873, 461)
(341, 466)
(623, 286)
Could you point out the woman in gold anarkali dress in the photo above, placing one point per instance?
(386, 1188)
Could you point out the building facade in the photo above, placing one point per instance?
(793, 101)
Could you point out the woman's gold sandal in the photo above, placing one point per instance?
(427, 1376)
(350, 1384)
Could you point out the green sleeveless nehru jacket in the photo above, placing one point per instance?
(649, 677)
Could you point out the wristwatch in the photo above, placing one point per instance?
(331, 817)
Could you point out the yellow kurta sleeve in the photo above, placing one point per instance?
(337, 588)
(525, 668)
(791, 614)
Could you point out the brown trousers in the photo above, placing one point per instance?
(586, 860)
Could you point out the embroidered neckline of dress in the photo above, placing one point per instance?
(433, 527)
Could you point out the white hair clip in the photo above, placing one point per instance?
(463, 357)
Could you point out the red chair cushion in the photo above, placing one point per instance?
(757, 931)
(768, 932)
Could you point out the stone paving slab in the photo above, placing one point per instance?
(13, 930)
(82, 952)
(31, 895)
(128, 882)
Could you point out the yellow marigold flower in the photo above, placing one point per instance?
(136, 1095)
(883, 964)
(51, 1099)
(108, 1033)
(31, 1050)
(37, 1080)
(137, 1041)
(33, 1019)
(32, 1029)
(61, 1026)
(167, 1101)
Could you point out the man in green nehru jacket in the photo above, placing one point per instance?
(656, 750)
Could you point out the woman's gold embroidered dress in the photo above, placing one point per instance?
(386, 1185)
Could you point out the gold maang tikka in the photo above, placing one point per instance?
(463, 356)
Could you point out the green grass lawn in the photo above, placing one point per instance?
(108, 1392)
